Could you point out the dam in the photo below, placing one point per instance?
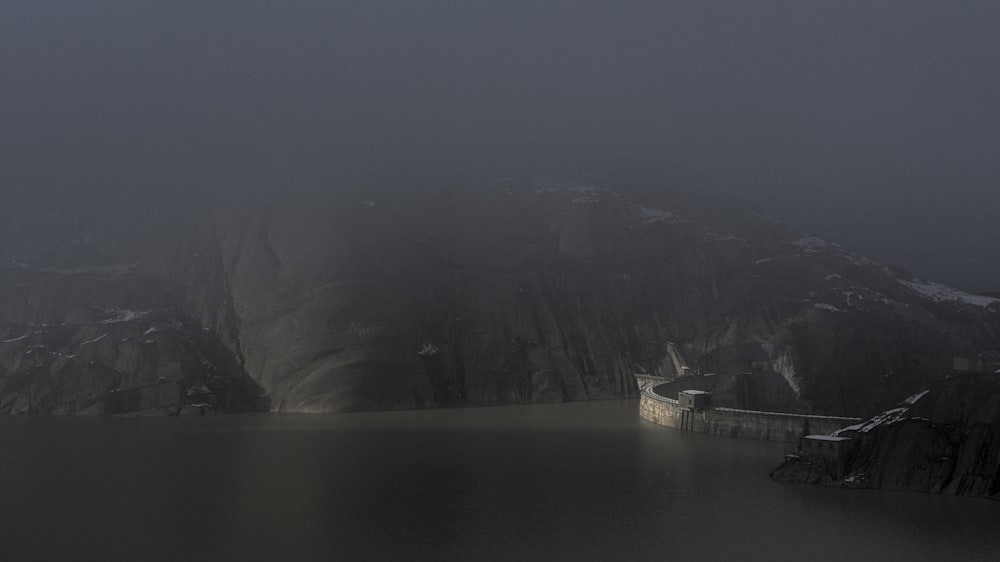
(691, 410)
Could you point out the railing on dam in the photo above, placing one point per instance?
(847, 421)
(644, 381)
(733, 422)
(647, 392)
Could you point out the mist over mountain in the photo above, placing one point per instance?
(452, 291)
(872, 124)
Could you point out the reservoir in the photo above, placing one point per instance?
(580, 481)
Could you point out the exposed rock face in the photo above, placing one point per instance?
(516, 291)
(110, 342)
(799, 470)
(945, 440)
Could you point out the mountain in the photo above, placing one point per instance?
(506, 291)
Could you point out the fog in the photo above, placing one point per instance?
(872, 123)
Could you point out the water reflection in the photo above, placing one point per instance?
(579, 481)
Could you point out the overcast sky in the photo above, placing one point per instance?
(873, 123)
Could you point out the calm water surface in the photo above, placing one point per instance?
(587, 481)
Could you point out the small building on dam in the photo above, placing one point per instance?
(695, 400)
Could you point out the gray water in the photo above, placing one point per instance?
(587, 481)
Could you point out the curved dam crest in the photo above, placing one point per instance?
(730, 422)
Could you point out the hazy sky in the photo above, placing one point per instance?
(874, 123)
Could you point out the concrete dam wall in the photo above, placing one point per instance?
(731, 422)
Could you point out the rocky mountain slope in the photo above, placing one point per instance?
(942, 440)
(504, 291)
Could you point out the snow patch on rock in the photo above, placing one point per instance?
(887, 417)
(651, 215)
(911, 400)
(812, 244)
(723, 237)
(556, 186)
(116, 315)
(95, 340)
(428, 350)
(19, 338)
(938, 292)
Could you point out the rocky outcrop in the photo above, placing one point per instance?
(943, 440)
(111, 342)
(802, 470)
(513, 291)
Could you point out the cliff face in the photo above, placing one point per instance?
(516, 291)
(944, 440)
(110, 342)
